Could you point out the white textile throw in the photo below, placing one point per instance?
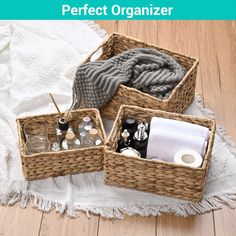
(40, 57)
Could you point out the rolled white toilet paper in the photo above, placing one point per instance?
(179, 127)
(188, 157)
(165, 144)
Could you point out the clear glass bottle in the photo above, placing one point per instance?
(36, 134)
(55, 147)
(94, 139)
(61, 130)
(86, 121)
(83, 142)
(70, 142)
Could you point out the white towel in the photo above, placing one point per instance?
(164, 144)
(182, 127)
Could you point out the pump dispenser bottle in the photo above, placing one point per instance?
(141, 140)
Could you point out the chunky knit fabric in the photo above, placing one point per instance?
(145, 69)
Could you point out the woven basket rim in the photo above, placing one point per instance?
(21, 143)
(212, 130)
(182, 81)
(56, 113)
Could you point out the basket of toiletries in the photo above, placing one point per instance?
(59, 144)
(128, 71)
(159, 152)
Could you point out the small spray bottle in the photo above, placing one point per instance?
(124, 142)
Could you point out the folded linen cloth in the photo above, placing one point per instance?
(145, 69)
(164, 144)
(182, 127)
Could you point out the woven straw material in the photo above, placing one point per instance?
(180, 98)
(51, 164)
(163, 178)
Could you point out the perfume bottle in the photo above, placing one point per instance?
(131, 125)
(83, 142)
(94, 139)
(124, 141)
(62, 128)
(141, 140)
(70, 142)
(86, 121)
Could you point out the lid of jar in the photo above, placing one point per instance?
(130, 152)
(70, 137)
(63, 125)
(86, 119)
(130, 121)
(93, 133)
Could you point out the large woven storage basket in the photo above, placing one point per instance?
(180, 98)
(51, 164)
(164, 178)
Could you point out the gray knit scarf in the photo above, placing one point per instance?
(145, 69)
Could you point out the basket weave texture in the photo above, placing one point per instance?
(52, 164)
(180, 98)
(159, 177)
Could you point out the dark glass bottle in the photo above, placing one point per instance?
(141, 140)
(131, 125)
(124, 141)
(61, 130)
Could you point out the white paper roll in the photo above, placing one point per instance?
(182, 127)
(188, 157)
(164, 144)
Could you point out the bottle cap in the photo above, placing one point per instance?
(130, 122)
(98, 142)
(125, 135)
(63, 125)
(93, 133)
(82, 134)
(86, 119)
(70, 137)
(87, 127)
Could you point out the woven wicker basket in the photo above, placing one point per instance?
(178, 101)
(164, 178)
(51, 164)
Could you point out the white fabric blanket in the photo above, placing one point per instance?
(40, 57)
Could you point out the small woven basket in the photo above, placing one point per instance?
(180, 98)
(155, 176)
(51, 164)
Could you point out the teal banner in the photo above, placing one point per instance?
(118, 10)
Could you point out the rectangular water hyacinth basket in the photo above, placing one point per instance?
(155, 176)
(180, 98)
(51, 164)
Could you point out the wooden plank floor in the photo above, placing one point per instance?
(214, 43)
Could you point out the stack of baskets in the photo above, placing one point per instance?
(158, 177)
